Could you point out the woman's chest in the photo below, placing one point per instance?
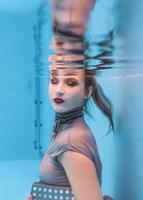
(51, 171)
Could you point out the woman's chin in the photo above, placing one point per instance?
(63, 108)
(59, 108)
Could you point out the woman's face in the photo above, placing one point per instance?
(66, 89)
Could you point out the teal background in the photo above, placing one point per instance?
(26, 115)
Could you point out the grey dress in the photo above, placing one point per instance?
(78, 138)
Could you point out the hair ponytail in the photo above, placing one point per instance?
(100, 99)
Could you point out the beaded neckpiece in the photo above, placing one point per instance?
(66, 118)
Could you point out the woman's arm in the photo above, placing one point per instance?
(82, 175)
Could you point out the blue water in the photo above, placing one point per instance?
(17, 177)
(26, 116)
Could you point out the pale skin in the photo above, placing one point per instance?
(68, 84)
(79, 169)
(82, 176)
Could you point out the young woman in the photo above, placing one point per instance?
(72, 157)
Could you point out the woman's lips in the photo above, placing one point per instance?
(58, 100)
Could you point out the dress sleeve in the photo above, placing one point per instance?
(80, 143)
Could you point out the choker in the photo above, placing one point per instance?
(66, 118)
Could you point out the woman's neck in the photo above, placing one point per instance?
(66, 119)
(64, 127)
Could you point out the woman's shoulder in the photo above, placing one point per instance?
(79, 131)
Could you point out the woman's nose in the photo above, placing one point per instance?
(59, 94)
(59, 90)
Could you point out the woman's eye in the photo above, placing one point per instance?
(54, 81)
(71, 83)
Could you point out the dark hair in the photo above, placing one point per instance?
(99, 97)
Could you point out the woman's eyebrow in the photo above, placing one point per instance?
(71, 78)
(70, 74)
(54, 73)
(66, 72)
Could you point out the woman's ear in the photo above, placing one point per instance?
(88, 92)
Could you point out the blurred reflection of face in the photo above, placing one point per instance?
(74, 13)
(68, 85)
